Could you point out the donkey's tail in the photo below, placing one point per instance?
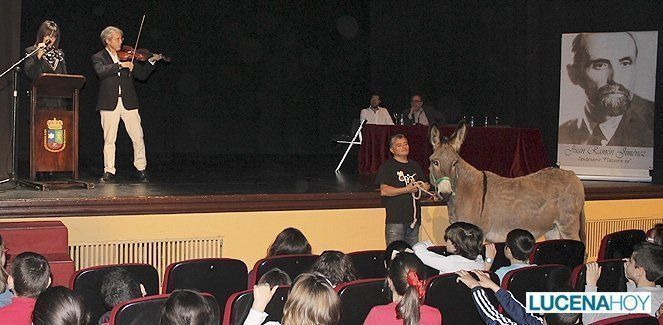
(582, 233)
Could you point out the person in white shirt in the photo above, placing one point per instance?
(464, 240)
(375, 114)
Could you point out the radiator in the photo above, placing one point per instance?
(599, 228)
(158, 253)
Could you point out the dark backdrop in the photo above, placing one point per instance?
(281, 78)
(10, 28)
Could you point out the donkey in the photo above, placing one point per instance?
(549, 202)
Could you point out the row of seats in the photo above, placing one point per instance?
(453, 299)
(224, 277)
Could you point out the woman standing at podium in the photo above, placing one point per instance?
(49, 58)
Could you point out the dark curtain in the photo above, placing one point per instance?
(10, 36)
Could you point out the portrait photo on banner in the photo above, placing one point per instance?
(606, 103)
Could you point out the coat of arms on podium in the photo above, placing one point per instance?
(55, 138)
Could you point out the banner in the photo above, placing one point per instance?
(606, 104)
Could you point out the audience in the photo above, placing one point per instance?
(289, 241)
(511, 306)
(518, 247)
(275, 277)
(5, 294)
(336, 267)
(393, 249)
(655, 235)
(30, 276)
(464, 240)
(60, 306)
(311, 301)
(406, 281)
(25, 299)
(186, 307)
(642, 269)
(118, 286)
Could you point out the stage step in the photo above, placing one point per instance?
(48, 238)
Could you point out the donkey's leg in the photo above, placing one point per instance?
(553, 233)
(570, 228)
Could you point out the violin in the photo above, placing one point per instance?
(128, 53)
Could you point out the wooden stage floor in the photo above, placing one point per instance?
(227, 184)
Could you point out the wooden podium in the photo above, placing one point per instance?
(54, 129)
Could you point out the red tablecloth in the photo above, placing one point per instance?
(509, 152)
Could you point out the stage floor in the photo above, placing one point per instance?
(236, 183)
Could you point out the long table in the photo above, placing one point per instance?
(506, 151)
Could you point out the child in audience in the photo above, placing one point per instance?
(406, 282)
(5, 294)
(519, 245)
(311, 301)
(275, 277)
(462, 239)
(118, 286)
(289, 241)
(643, 269)
(336, 267)
(60, 306)
(511, 306)
(655, 235)
(394, 249)
(30, 276)
(186, 307)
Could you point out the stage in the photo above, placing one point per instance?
(235, 184)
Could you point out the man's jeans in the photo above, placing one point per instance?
(397, 231)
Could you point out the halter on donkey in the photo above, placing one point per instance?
(549, 202)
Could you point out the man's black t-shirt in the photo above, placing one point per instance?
(401, 208)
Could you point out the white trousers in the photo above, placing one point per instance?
(110, 121)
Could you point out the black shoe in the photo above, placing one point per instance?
(142, 176)
(107, 178)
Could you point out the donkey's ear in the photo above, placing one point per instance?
(434, 135)
(457, 139)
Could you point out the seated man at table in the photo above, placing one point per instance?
(397, 177)
(421, 114)
(375, 114)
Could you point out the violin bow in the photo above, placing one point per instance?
(138, 38)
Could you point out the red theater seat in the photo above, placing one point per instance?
(369, 264)
(239, 303)
(219, 277)
(293, 265)
(359, 297)
(147, 310)
(48, 238)
(620, 244)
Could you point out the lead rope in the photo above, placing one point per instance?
(409, 179)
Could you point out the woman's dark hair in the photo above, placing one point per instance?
(336, 267)
(47, 28)
(520, 243)
(275, 277)
(186, 307)
(3, 272)
(655, 235)
(289, 241)
(395, 246)
(60, 306)
(408, 309)
(466, 237)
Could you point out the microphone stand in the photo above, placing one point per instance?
(13, 174)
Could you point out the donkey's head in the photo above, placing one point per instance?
(444, 160)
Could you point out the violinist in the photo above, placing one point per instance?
(118, 100)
